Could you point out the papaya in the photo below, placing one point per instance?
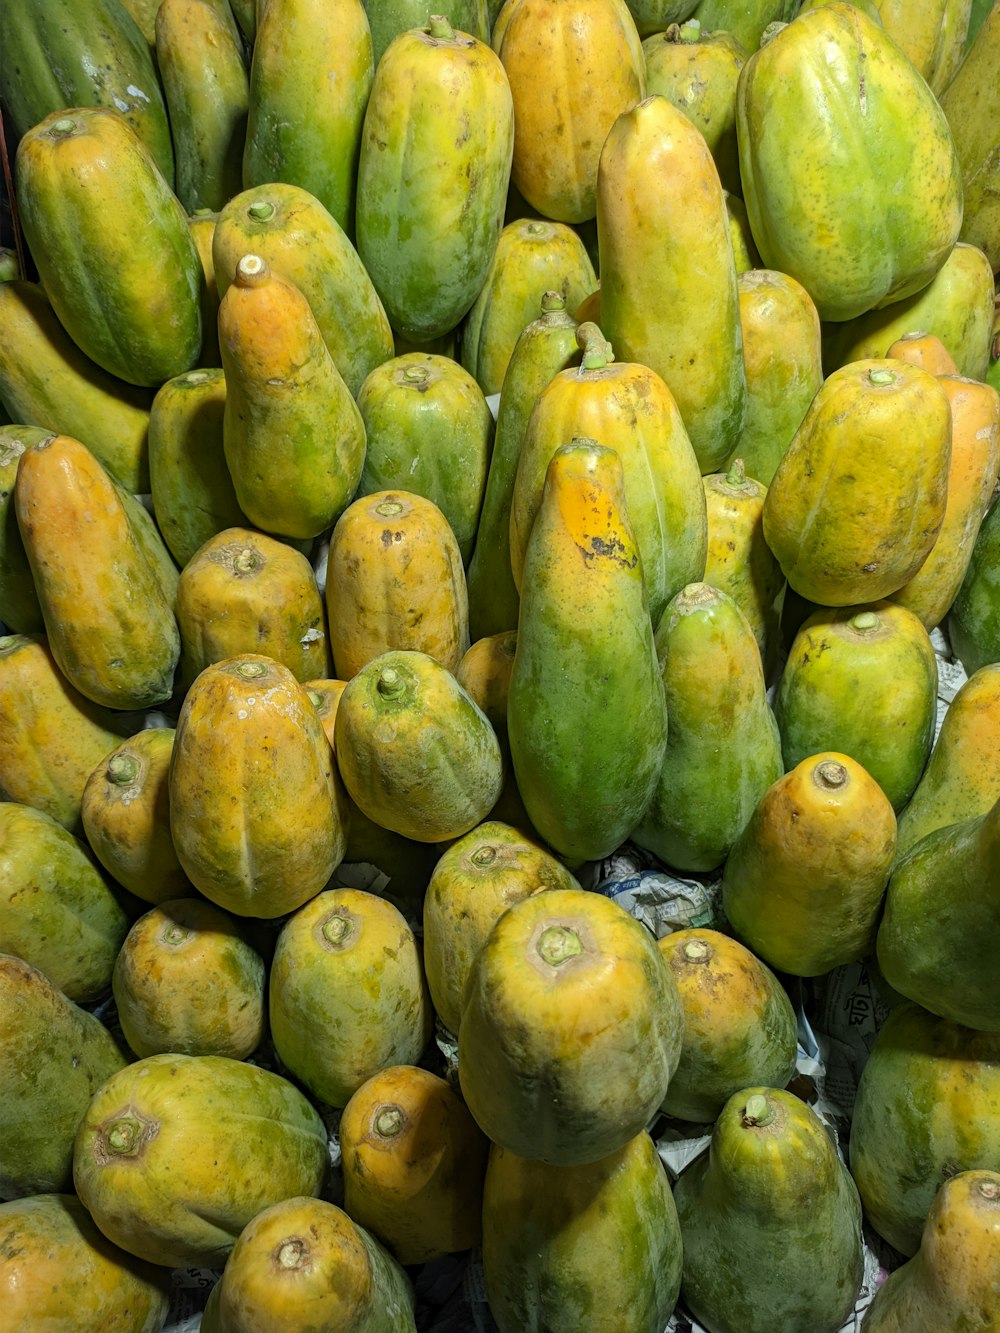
(859, 496)
(697, 71)
(862, 680)
(972, 475)
(57, 911)
(199, 55)
(532, 257)
(625, 407)
(126, 816)
(301, 239)
(925, 350)
(432, 178)
(21, 612)
(927, 1108)
(87, 186)
(144, 13)
(177, 1153)
(70, 54)
(586, 716)
(653, 16)
(429, 430)
(108, 615)
(804, 882)
(931, 36)
(961, 778)
(347, 962)
(740, 563)
(745, 254)
(593, 1246)
(546, 346)
(956, 306)
(292, 434)
(388, 18)
(885, 238)
(745, 19)
(188, 980)
(669, 298)
(942, 905)
(53, 1058)
(414, 751)
(202, 228)
(571, 1029)
(192, 489)
(755, 1210)
(245, 592)
(310, 79)
(953, 1281)
(51, 736)
(47, 381)
(723, 748)
(783, 359)
(303, 1262)
(57, 1270)
(254, 812)
(971, 103)
(973, 621)
(414, 1162)
(474, 882)
(739, 1024)
(572, 69)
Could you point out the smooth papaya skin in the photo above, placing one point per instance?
(972, 104)
(87, 187)
(51, 736)
(202, 229)
(21, 612)
(292, 434)
(932, 37)
(414, 1162)
(723, 748)
(58, 1270)
(961, 779)
(573, 69)
(745, 19)
(862, 680)
(126, 816)
(571, 1029)
(594, 1246)
(856, 503)
(669, 298)
(53, 1057)
(301, 1266)
(818, 849)
(953, 1281)
(586, 716)
(310, 80)
(430, 201)
(388, 18)
(177, 1153)
(755, 1210)
(476, 879)
(739, 1024)
(927, 1107)
(925, 350)
(973, 622)
(942, 905)
(884, 131)
(47, 381)
(653, 16)
(347, 961)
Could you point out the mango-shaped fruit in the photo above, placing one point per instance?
(571, 1029)
(769, 1195)
(46, 1096)
(859, 496)
(347, 962)
(176, 1154)
(885, 238)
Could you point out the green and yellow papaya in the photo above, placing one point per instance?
(973, 622)
(21, 612)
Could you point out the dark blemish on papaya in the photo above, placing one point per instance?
(870, 568)
(730, 546)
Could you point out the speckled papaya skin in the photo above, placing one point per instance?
(53, 1057)
(548, 1232)
(931, 36)
(928, 1106)
(971, 101)
(432, 176)
(176, 1154)
(850, 106)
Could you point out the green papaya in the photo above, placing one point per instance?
(971, 101)
(973, 623)
(388, 18)
(21, 613)
(745, 19)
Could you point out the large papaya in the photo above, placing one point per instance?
(971, 101)
(931, 34)
(973, 622)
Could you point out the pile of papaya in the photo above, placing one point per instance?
(439, 451)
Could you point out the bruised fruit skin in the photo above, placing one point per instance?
(53, 1058)
(245, 1137)
(414, 1161)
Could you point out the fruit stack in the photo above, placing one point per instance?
(441, 451)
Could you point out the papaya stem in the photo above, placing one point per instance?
(122, 769)
(389, 1121)
(758, 1111)
(558, 944)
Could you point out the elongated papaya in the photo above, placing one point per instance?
(971, 102)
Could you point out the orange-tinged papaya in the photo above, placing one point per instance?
(925, 350)
(932, 35)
